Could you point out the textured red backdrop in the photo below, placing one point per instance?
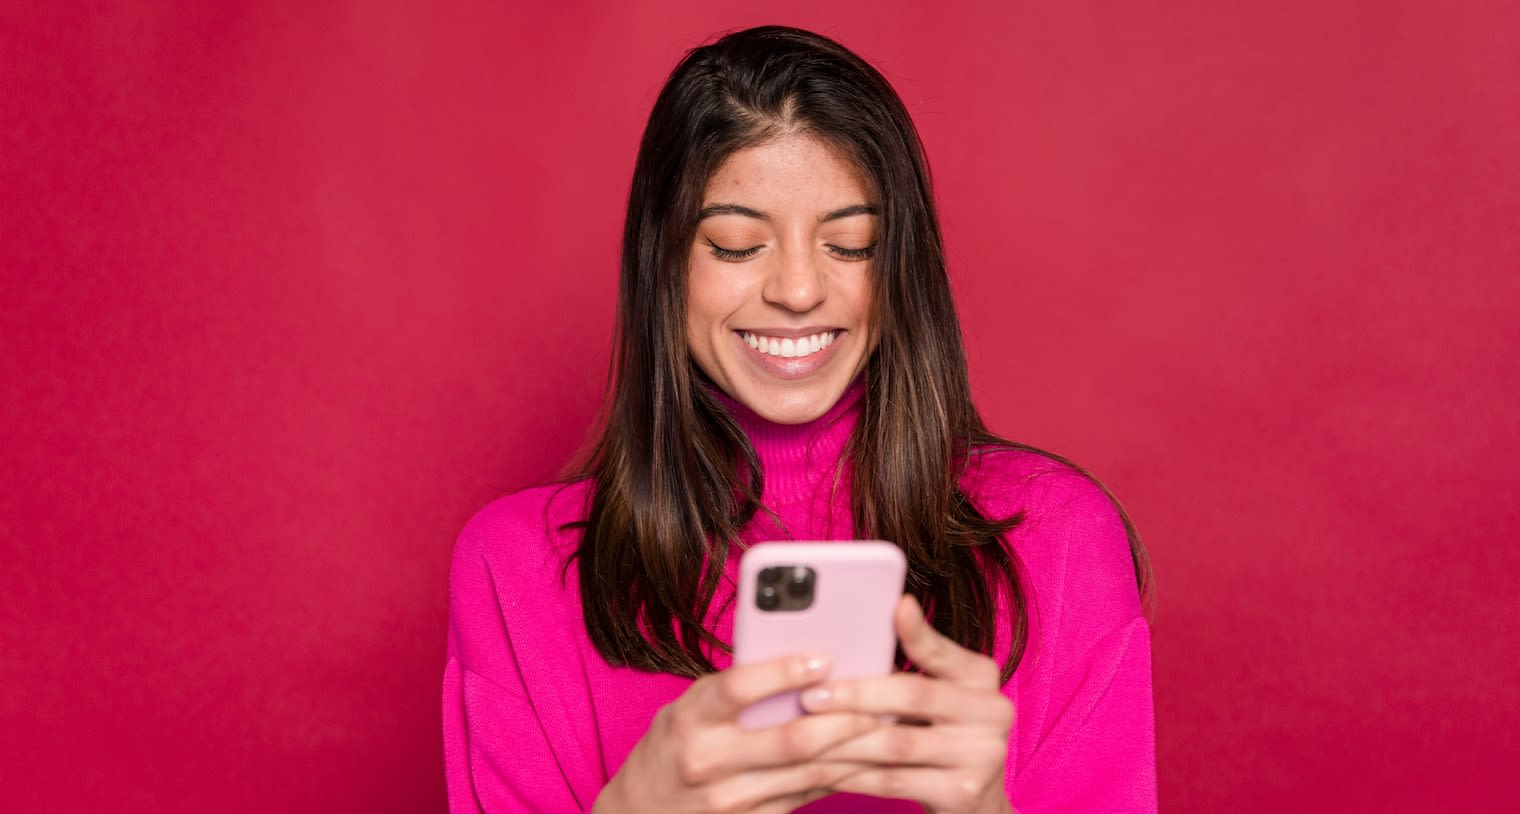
(290, 289)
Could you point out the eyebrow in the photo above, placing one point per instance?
(737, 209)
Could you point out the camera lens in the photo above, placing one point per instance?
(770, 576)
(799, 582)
(767, 598)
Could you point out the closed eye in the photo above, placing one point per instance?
(732, 254)
(864, 253)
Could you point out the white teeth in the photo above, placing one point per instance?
(788, 348)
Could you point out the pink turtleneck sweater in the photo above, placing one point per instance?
(535, 720)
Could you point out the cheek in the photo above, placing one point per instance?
(713, 294)
(708, 306)
(701, 302)
(866, 315)
(858, 290)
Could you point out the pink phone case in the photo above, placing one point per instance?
(856, 587)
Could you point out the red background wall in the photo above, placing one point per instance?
(289, 290)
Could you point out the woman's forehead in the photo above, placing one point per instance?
(791, 172)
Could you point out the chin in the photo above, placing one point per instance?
(792, 407)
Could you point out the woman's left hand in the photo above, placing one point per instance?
(955, 762)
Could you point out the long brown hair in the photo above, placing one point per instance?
(675, 479)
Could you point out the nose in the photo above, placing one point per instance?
(796, 282)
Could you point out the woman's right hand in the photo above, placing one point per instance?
(696, 758)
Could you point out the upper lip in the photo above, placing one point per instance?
(787, 333)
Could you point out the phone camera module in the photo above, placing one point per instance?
(784, 588)
(799, 583)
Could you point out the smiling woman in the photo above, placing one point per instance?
(789, 366)
(778, 292)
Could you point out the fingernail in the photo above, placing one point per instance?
(815, 665)
(816, 697)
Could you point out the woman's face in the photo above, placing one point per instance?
(778, 293)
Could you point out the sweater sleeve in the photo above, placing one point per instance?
(498, 754)
(1099, 755)
(1088, 742)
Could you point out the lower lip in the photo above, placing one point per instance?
(795, 367)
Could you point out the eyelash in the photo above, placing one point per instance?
(732, 254)
(855, 254)
(744, 254)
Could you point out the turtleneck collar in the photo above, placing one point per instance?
(797, 458)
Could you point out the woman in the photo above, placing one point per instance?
(789, 366)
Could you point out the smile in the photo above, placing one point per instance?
(789, 348)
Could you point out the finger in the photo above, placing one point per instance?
(936, 789)
(789, 803)
(709, 755)
(942, 746)
(938, 655)
(800, 740)
(721, 696)
(915, 696)
(831, 773)
(778, 789)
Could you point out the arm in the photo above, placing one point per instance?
(1089, 744)
(1099, 754)
(498, 757)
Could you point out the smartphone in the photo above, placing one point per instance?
(831, 597)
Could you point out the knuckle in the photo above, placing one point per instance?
(861, 724)
(919, 693)
(899, 745)
(1003, 714)
(793, 741)
(731, 689)
(693, 767)
(818, 776)
(680, 720)
(877, 782)
(967, 792)
(716, 800)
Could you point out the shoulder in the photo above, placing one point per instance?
(522, 534)
(510, 598)
(530, 511)
(1037, 486)
(1071, 538)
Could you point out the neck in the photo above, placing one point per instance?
(796, 458)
